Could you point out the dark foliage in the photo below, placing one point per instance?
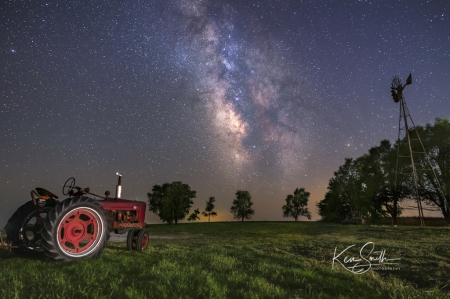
(369, 187)
(296, 204)
(171, 202)
(241, 208)
(208, 212)
(194, 216)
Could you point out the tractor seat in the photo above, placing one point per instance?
(44, 192)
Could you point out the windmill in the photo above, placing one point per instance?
(397, 94)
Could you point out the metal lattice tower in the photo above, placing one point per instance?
(397, 94)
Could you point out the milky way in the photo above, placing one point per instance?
(222, 95)
(252, 98)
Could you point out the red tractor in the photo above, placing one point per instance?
(77, 227)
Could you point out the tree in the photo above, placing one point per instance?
(208, 212)
(194, 216)
(352, 191)
(341, 195)
(171, 202)
(241, 207)
(296, 204)
(436, 140)
(374, 184)
(368, 186)
(388, 190)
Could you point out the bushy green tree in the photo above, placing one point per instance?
(171, 202)
(365, 187)
(194, 215)
(436, 141)
(241, 207)
(296, 204)
(339, 199)
(386, 189)
(374, 184)
(208, 212)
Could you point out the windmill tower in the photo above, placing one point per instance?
(404, 132)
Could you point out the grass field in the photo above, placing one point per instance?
(243, 260)
(415, 221)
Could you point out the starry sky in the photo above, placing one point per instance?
(263, 96)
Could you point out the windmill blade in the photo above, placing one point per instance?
(394, 94)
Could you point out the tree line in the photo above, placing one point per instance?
(368, 186)
(173, 201)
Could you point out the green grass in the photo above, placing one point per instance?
(243, 260)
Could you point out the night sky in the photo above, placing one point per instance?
(222, 95)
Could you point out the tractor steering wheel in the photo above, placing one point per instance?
(70, 184)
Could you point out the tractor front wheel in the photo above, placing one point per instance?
(76, 229)
(142, 240)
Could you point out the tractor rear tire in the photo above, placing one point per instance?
(142, 240)
(76, 229)
(19, 223)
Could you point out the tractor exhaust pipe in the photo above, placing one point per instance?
(119, 187)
